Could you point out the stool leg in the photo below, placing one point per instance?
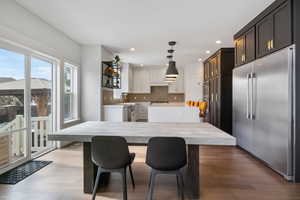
(124, 184)
(150, 179)
(181, 183)
(152, 183)
(178, 185)
(131, 176)
(96, 183)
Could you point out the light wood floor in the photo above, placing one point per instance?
(227, 173)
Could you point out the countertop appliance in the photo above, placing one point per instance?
(263, 94)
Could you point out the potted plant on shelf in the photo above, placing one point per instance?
(117, 59)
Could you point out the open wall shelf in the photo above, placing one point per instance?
(111, 75)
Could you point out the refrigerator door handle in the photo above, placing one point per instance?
(252, 115)
(291, 146)
(248, 96)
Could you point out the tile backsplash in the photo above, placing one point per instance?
(107, 97)
(144, 97)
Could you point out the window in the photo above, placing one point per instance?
(70, 93)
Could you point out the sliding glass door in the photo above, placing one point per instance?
(13, 126)
(41, 85)
(26, 106)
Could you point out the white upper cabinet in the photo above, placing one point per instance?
(141, 82)
(142, 78)
(157, 75)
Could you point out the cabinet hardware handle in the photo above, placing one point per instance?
(243, 58)
(272, 44)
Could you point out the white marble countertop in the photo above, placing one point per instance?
(167, 105)
(140, 133)
(119, 105)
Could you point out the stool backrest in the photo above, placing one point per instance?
(110, 152)
(166, 153)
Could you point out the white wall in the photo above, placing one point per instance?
(91, 97)
(193, 78)
(107, 55)
(21, 26)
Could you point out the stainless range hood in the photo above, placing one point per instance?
(160, 93)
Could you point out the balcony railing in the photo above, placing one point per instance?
(40, 128)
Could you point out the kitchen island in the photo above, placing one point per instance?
(122, 112)
(172, 112)
(137, 133)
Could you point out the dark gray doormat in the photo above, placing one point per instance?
(21, 172)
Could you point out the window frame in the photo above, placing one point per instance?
(29, 54)
(74, 94)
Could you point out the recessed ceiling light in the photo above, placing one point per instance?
(219, 42)
(141, 65)
(200, 59)
(132, 49)
(208, 52)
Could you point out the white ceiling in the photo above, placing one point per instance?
(148, 25)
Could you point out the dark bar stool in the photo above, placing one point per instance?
(111, 154)
(166, 155)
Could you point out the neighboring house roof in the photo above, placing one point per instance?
(6, 79)
(20, 84)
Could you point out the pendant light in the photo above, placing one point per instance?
(172, 71)
(170, 79)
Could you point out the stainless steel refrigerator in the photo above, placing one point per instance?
(263, 109)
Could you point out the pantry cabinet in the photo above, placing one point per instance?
(217, 88)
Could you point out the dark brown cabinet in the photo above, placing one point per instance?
(268, 32)
(214, 66)
(282, 26)
(245, 48)
(217, 88)
(274, 31)
(264, 36)
(250, 45)
(206, 91)
(206, 71)
(239, 50)
(215, 102)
